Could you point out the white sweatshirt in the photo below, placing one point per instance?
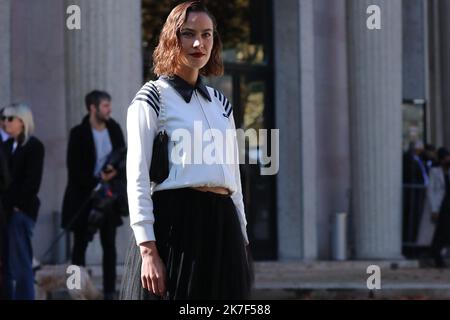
(194, 110)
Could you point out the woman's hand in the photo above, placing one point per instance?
(153, 271)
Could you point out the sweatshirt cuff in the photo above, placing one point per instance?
(143, 232)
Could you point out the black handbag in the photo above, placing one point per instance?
(159, 167)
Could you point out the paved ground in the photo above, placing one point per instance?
(342, 280)
(348, 280)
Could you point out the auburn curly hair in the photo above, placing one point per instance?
(165, 56)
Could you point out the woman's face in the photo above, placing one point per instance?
(13, 126)
(196, 37)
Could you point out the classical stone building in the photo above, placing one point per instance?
(342, 95)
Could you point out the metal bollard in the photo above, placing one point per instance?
(340, 236)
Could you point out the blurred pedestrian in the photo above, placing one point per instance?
(434, 195)
(439, 196)
(415, 181)
(5, 180)
(90, 145)
(21, 202)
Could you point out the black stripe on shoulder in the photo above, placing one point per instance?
(229, 112)
(146, 95)
(151, 89)
(224, 100)
(150, 103)
(150, 95)
(220, 96)
(154, 91)
(228, 107)
(227, 104)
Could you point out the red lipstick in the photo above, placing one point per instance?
(197, 54)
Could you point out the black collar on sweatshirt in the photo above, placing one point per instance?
(185, 89)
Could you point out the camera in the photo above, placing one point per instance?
(103, 201)
(116, 159)
(108, 197)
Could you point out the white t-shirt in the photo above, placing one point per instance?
(103, 148)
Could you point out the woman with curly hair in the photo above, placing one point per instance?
(190, 239)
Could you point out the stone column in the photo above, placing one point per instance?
(376, 123)
(5, 48)
(444, 54)
(436, 119)
(36, 65)
(295, 117)
(105, 54)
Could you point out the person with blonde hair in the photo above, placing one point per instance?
(25, 153)
(4, 183)
(190, 239)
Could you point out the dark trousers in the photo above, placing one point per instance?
(413, 204)
(19, 271)
(3, 242)
(3, 261)
(108, 242)
(441, 237)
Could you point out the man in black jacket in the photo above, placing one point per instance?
(90, 144)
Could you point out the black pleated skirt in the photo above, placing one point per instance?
(199, 239)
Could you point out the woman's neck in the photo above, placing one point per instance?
(187, 74)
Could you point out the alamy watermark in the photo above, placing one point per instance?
(73, 21)
(73, 281)
(374, 280)
(211, 146)
(374, 20)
